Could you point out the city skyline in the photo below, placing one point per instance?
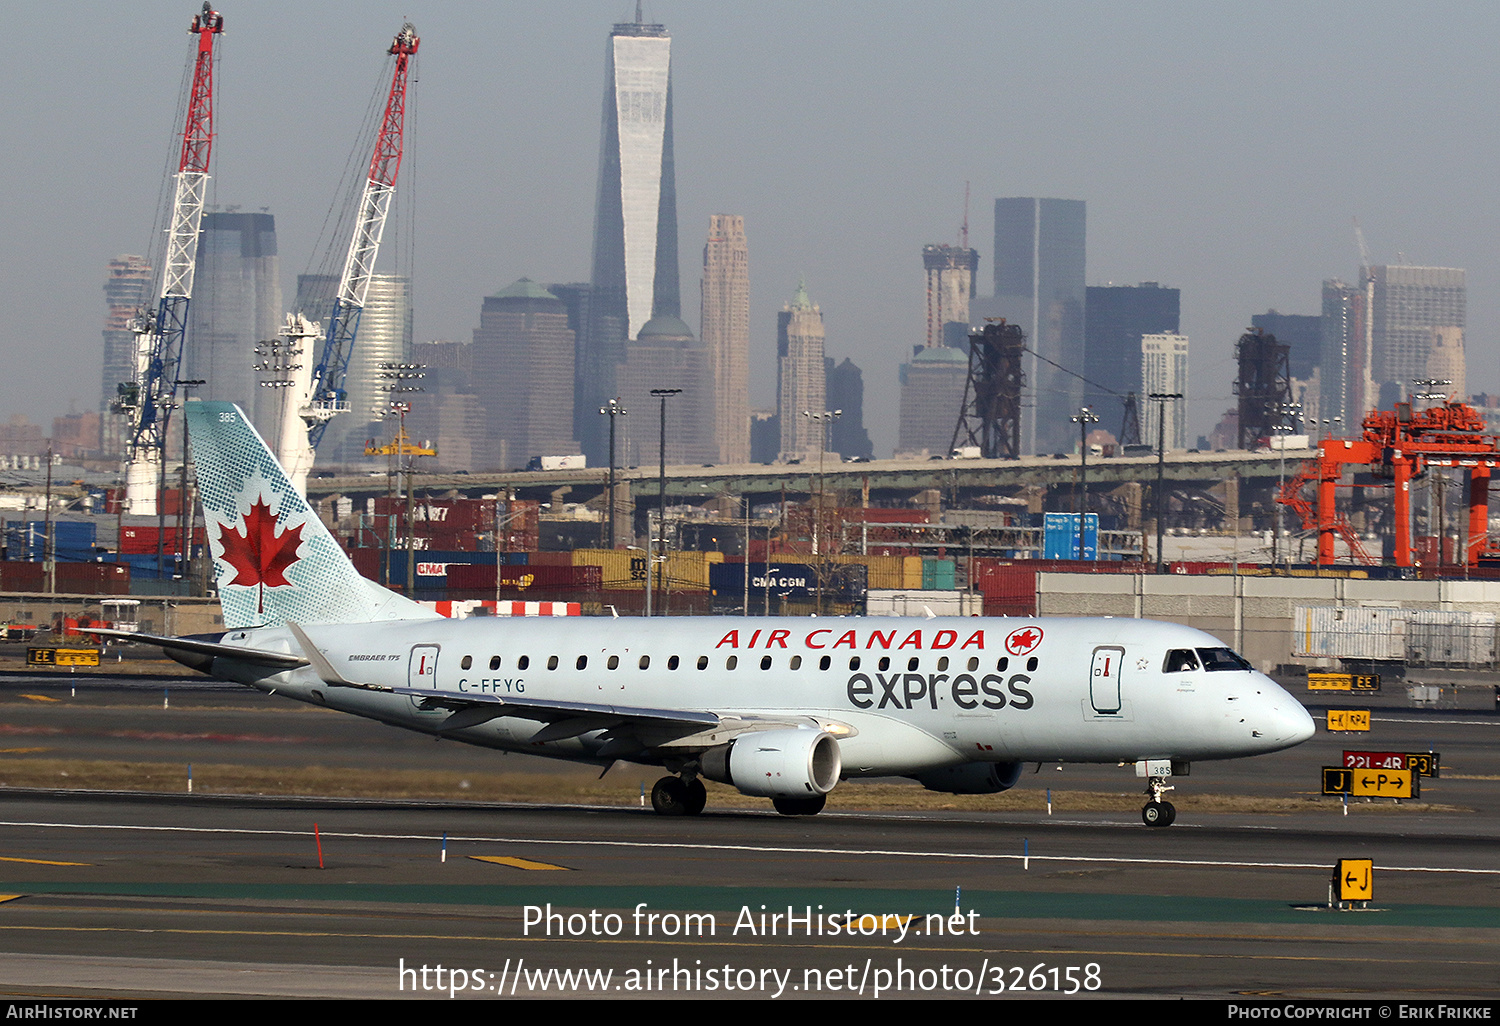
(514, 198)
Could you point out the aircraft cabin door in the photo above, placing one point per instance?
(421, 671)
(1104, 679)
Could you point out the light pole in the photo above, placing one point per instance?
(823, 420)
(612, 409)
(661, 488)
(1160, 398)
(1289, 413)
(1084, 418)
(186, 513)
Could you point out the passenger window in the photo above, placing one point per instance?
(765, 662)
(942, 664)
(583, 661)
(1031, 665)
(854, 662)
(614, 662)
(672, 663)
(494, 662)
(523, 662)
(973, 663)
(825, 663)
(1180, 660)
(466, 662)
(911, 664)
(885, 663)
(731, 662)
(1003, 664)
(703, 662)
(552, 662)
(796, 662)
(645, 662)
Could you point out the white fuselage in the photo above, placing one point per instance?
(919, 695)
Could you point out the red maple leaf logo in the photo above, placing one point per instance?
(1021, 641)
(260, 556)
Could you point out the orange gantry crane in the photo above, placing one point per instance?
(1400, 444)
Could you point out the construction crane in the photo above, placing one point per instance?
(321, 394)
(149, 398)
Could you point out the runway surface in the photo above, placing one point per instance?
(161, 895)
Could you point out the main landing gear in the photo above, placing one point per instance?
(682, 796)
(674, 796)
(1156, 812)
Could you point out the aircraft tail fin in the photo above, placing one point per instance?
(274, 558)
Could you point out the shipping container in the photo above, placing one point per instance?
(625, 568)
(922, 602)
(73, 541)
(841, 582)
(1349, 632)
(939, 574)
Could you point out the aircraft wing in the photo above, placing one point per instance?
(630, 728)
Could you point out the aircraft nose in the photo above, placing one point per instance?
(1288, 722)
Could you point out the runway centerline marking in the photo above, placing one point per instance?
(755, 849)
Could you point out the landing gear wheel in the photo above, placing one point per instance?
(669, 797)
(800, 806)
(694, 798)
(1158, 814)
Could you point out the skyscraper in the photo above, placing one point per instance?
(1164, 370)
(1117, 318)
(523, 372)
(1039, 284)
(800, 382)
(932, 396)
(236, 303)
(1344, 342)
(125, 291)
(1409, 302)
(950, 286)
(726, 332)
(846, 391)
(385, 336)
(635, 274)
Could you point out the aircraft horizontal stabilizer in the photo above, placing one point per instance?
(198, 654)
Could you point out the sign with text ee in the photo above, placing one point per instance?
(1354, 879)
(1348, 719)
(62, 657)
(1343, 681)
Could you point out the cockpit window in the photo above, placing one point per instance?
(1180, 660)
(1216, 659)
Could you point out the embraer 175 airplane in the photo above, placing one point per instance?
(783, 708)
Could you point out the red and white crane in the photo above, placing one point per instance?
(316, 394)
(148, 399)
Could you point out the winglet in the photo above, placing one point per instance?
(319, 661)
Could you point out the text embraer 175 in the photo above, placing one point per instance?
(782, 708)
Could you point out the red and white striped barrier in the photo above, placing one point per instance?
(489, 607)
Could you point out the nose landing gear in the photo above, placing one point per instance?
(1158, 813)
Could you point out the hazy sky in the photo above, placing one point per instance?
(1222, 149)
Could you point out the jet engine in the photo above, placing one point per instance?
(777, 763)
(972, 778)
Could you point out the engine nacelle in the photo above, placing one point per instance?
(972, 778)
(777, 763)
